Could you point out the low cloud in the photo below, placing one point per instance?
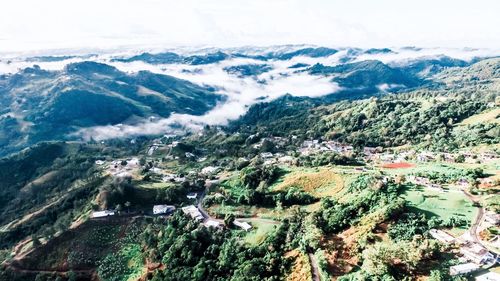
(242, 92)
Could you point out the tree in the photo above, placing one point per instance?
(460, 158)
(228, 220)
(128, 204)
(72, 276)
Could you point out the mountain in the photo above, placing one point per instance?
(171, 58)
(308, 52)
(161, 58)
(426, 67)
(365, 74)
(42, 105)
(248, 69)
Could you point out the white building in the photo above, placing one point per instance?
(163, 209)
(212, 223)
(490, 276)
(192, 195)
(266, 155)
(99, 162)
(441, 236)
(243, 225)
(209, 170)
(193, 212)
(492, 218)
(476, 253)
(102, 214)
(463, 269)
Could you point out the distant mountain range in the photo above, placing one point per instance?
(38, 104)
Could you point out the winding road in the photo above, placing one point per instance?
(477, 221)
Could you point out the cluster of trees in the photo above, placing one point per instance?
(452, 176)
(252, 188)
(365, 195)
(410, 118)
(193, 252)
(326, 158)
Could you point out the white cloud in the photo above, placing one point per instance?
(241, 93)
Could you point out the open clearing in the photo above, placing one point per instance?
(259, 232)
(445, 204)
(85, 247)
(488, 116)
(319, 182)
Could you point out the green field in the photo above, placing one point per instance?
(259, 232)
(442, 204)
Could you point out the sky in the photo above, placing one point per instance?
(34, 25)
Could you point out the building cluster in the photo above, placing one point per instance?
(424, 182)
(315, 146)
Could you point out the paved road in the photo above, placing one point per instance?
(477, 221)
(314, 267)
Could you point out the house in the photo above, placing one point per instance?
(102, 214)
(266, 155)
(476, 253)
(489, 276)
(193, 212)
(418, 180)
(465, 268)
(286, 159)
(425, 157)
(434, 186)
(169, 177)
(370, 150)
(163, 209)
(212, 223)
(492, 218)
(99, 162)
(209, 170)
(486, 182)
(441, 236)
(243, 225)
(156, 170)
(192, 195)
(489, 156)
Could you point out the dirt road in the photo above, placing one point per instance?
(314, 267)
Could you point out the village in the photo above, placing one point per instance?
(474, 252)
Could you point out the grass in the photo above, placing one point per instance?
(157, 185)
(319, 182)
(442, 204)
(90, 245)
(259, 232)
(488, 116)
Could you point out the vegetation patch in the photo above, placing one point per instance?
(447, 205)
(317, 181)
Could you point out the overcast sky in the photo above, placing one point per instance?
(48, 24)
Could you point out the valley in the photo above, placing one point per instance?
(368, 182)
